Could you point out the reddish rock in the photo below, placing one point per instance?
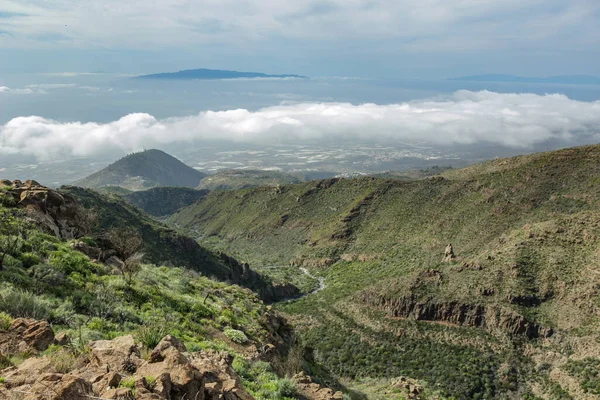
(36, 334)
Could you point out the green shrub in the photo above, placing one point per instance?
(128, 383)
(5, 321)
(70, 261)
(286, 387)
(5, 361)
(89, 241)
(62, 360)
(260, 367)
(241, 367)
(150, 381)
(29, 259)
(151, 334)
(20, 303)
(236, 336)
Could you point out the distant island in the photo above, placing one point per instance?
(564, 79)
(209, 74)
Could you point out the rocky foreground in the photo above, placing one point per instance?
(116, 369)
(120, 369)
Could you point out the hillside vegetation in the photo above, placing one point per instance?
(72, 327)
(144, 170)
(163, 201)
(506, 315)
(242, 179)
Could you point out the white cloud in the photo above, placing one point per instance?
(517, 120)
(26, 90)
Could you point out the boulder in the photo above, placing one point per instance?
(62, 339)
(449, 253)
(36, 334)
(30, 183)
(60, 387)
(119, 393)
(114, 261)
(5, 182)
(116, 354)
(309, 390)
(82, 247)
(170, 349)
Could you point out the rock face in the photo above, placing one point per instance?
(55, 213)
(35, 334)
(169, 373)
(313, 391)
(490, 317)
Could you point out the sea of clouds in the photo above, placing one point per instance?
(465, 117)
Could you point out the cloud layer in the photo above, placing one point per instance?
(516, 120)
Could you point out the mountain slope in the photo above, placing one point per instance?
(517, 304)
(73, 327)
(143, 170)
(163, 245)
(242, 179)
(162, 201)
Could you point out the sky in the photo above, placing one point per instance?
(377, 70)
(422, 39)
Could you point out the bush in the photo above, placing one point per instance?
(5, 321)
(286, 387)
(151, 334)
(29, 259)
(20, 303)
(62, 360)
(89, 241)
(71, 261)
(150, 381)
(236, 336)
(128, 383)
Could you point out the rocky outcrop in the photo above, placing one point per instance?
(309, 390)
(449, 253)
(490, 317)
(29, 333)
(409, 387)
(169, 373)
(53, 212)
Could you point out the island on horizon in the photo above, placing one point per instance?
(202, 73)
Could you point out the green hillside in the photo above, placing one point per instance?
(242, 179)
(507, 317)
(165, 246)
(162, 201)
(143, 170)
(70, 303)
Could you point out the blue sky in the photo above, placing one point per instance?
(365, 38)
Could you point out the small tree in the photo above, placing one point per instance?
(12, 232)
(128, 244)
(86, 219)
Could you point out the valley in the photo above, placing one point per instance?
(369, 297)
